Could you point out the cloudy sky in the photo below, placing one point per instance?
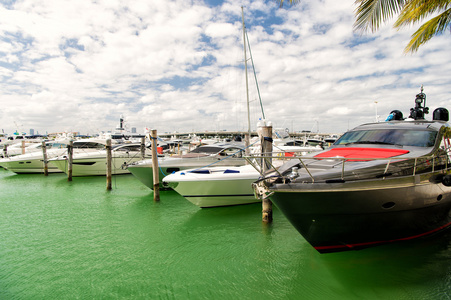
(179, 66)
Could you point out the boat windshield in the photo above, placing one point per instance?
(92, 145)
(402, 137)
(128, 148)
(56, 145)
(215, 149)
(206, 149)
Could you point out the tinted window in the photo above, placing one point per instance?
(206, 149)
(404, 137)
(89, 145)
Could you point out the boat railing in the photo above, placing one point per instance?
(271, 161)
(265, 162)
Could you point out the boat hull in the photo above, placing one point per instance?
(166, 166)
(145, 173)
(94, 166)
(30, 167)
(336, 217)
(205, 190)
(31, 163)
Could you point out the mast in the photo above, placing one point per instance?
(255, 75)
(247, 139)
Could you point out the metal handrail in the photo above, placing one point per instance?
(268, 159)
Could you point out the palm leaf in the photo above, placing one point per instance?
(428, 30)
(416, 10)
(371, 13)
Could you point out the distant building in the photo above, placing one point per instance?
(133, 129)
(31, 131)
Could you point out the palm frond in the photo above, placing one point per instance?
(428, 30)
(371, 13)
(416, 10)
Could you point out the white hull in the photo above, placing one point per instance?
(94, 164)
(222, 186)
(31, 162)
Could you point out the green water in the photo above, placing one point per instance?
(75, 240)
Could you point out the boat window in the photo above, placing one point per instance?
(129, 148)
(55, 145)
(294, 143)
(206, 149)
(403, 137)
(93, 145)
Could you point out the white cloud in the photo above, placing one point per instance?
(178, 66)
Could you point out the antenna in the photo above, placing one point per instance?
(418, 112)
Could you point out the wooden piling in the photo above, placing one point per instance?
(23, 146)
(143, 147)
(247, 142)
(44, 155)
(70, 157)
(108, 164)
(266, 148)
(155, 170)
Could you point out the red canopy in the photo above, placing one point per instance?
(361, 153)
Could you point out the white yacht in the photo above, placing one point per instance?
(33, 161)
(227, 185)
(215, 186)
(89, 158)
(20, 146)
(228, 154)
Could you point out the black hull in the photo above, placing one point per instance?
(333, 221)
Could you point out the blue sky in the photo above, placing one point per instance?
(178, 66)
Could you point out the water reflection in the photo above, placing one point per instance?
(409, 265)
(63, 238)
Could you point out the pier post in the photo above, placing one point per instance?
(156, 180)
(23, 146)
(108, 164)
(46, 163)
(143, 147)
(247, 142)
(70, 157)
(266, 148)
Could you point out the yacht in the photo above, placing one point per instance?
(33, 161)
(219, 154)
(89, 157)
(20, 146)
(378, 183)
(214, 186)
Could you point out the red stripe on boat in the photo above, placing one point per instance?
(350, 246)
(361, 153)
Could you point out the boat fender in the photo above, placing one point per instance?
(446, 181)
